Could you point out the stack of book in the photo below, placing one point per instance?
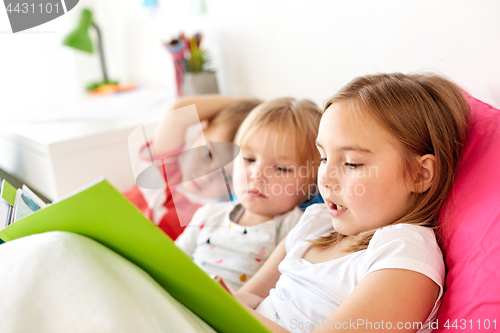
(17, 204)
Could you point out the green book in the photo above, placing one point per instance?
(8, 192)
(102, 213)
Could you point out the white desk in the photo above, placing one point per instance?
(56, 158)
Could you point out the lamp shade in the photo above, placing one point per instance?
(79, 38)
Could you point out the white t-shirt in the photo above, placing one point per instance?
(234, 252)
(307, 294)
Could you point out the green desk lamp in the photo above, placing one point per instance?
(80, 40)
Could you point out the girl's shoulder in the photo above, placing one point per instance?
(290, 218)
(411, 233)
(212, 211)
(404, 240)
(286, 222)
(405, 246)
(313, 223)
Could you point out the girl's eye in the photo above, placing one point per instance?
(248, 160)
(322, 160)
(282, 169)
(352, 165)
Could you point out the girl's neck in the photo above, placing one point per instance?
(346, 242)
(316, 255)
(249, 219)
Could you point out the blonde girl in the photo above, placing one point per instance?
(169, 206)
(367, 260)
(276, 173)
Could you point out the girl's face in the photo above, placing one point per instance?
(361, 172)
(211, 185)
(269, 183)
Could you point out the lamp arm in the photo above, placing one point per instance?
(101, 52)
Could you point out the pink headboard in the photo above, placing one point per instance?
(470, 229)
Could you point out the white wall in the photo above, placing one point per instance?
(271, 48)
(34, 69)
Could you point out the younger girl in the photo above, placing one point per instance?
(275, 175)
(367, 260)
(172, 206)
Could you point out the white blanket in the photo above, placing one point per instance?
(62, 282)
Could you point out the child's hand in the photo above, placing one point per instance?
(245, 298)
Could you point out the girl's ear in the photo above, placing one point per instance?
(427, 171)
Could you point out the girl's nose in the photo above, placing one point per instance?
(327, 177)
(257, 173)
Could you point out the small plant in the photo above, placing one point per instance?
(188, 57)
(198, 60)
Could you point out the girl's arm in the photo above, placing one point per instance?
(273, 327)
(384, 300)
(267, 275)
(387, 297)
(170, 132)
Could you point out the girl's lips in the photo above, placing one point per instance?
(336, 213)
(332, 209)
(256, 194)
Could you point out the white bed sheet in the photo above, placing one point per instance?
(63, 282)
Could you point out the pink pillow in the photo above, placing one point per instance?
(470, 230)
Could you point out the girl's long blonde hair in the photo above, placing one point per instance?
(427, 114)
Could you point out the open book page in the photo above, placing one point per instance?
(28, 192)
(5, 213)
(26, 203)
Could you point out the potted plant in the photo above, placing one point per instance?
(193, 66)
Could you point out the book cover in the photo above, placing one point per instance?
(102, 213)
(7, 200)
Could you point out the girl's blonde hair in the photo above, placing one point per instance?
(231, 117)
(296, 121)
(427, 114)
